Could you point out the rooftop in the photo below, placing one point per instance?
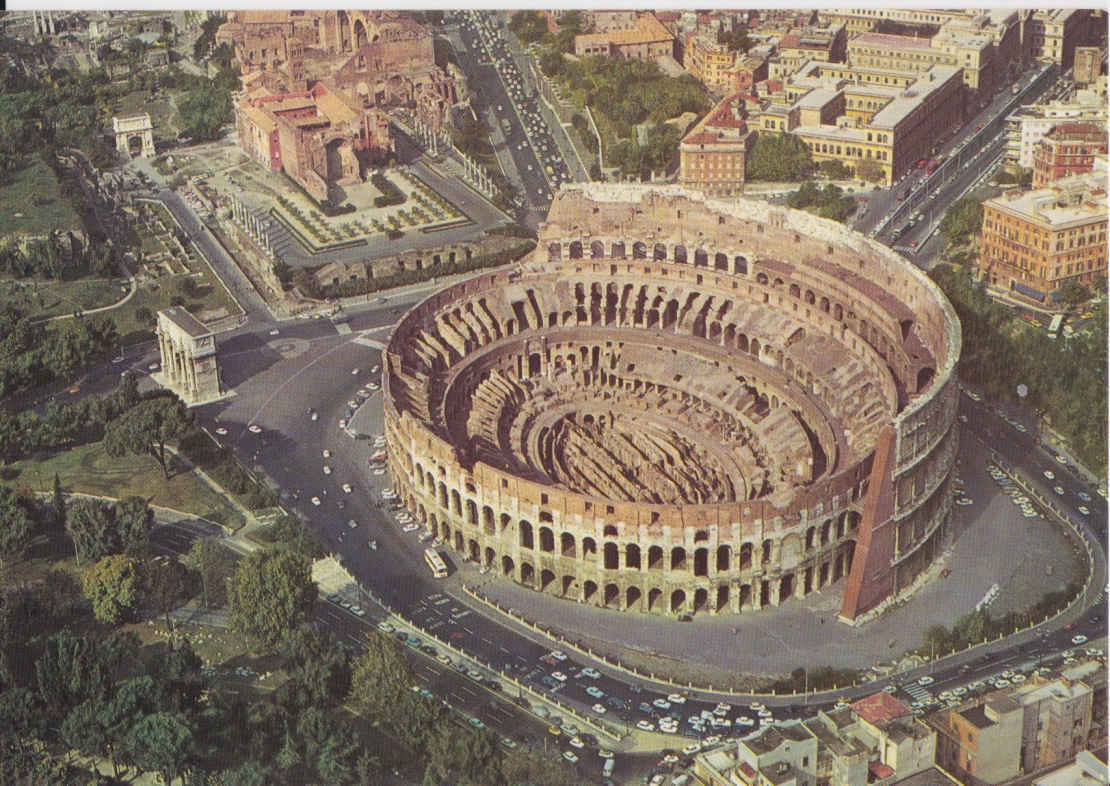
(771, 737)
(186, 322)
(977, 717)
(646, 29)
(913, 96)
(1079, 199)
(888, 41)
(880, 708)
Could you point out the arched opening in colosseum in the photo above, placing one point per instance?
(597, 249)
(720, 261)
(507, 565)
(527, 573)
(612, 597)
(654, 599)
(810, 297)
(534, 364)
(459, 542)
(701, 599)
(724, 554)
(554, 252)
(506, 520)
(639, 250)
(745, 556)
(445, 532)
(822, 575)
(526, 535)
(547, 578)
(632, 598)
(808, 581)
(740, 266)
(589, 547)
(722, 597)
(655, 558)
(419, 476)
(701, 258)
(575, 250)
(824, 305)
(753, 347)
(761, 278)
(422, 514)
(632, 556)
(745, 595)
(567, 585)
(456, 503)
(589, 590)
(660, 253)
(786, 587)
(742, 343)
(809, 537)
(838, 312)
(766, 556)
(443, 496)
(487, 520)
(670, 314)
(678, 558)
(764, 593)
(490, 556)
(474, 549)
(852, 518)
(680, 254)
(566, 544)
(616, 250)
(838, 567)
(678, 600)
(825, 532)
(612, 556)
(701, 562)
(471, 512)
(795, 291)
(547, 540)
(924, 379)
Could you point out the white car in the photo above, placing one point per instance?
(926, 680)
(221, 431)
(254, 428)
(346, 488)
(662, 704)
(316, 501)
(1078, 639)
(327, 470)
(375, 369)
(570, 756)
(1083, 495)
(1059, 490)
(691, 749)
(676, 698)
(559, 676)
(413, 527)
(556, 654)
(315, 415)
(354, 372)
(1084, 510)
(1060, 459)
(352, 524)
(599, 708)
(373, 385)
(644, 725)
(327, 453)
(1050, 474)
(343, 423)
(590, 672)
(576, 742)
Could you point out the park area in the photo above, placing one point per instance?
(32, 203)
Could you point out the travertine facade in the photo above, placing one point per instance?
(678, 405)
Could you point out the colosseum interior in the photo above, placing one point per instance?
(683, 406)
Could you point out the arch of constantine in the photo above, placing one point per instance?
(188, 354)
(683, 406)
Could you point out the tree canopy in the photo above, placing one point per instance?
(961, 220)
(99, 528)
(271, 593)
(146, 428)
(778, 158)
(112, 584)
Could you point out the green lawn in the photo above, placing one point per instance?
(19, 215)
(158, 295)
(88, 469)
(41, 298)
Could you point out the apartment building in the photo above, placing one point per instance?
(646, 40)
(1088, 64)
(713, 154)
(1086, 770)
(980, 742)
(709, 61)
(746, 72)
(1067, 149)
(1034, 241)
(974, 53)
(1028, 125)
(1054, 33)
(1056, 722)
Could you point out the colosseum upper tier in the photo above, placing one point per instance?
(678, 405)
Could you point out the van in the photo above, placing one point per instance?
(608, 767)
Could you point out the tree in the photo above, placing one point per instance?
(778, 157)
(164, 583)
(381, 676)
(98, 528)
(68, 672)
(112, 584)
(962, 219)
(206, 109)
(161, 742)
(211, 561)
(870, 170)
(16, 524)
(1072, 293)
(146, 428)
(834, 169)
(58, 504)
(270, 594)
(736, 40)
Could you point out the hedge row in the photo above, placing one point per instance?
(391, 195)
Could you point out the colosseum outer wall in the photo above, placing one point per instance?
(889, 507)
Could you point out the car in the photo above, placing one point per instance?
(385, 627)
(342, 423)
(352, 524)
(354, 372)
(152, 367)
(645, 725)
(372, 544)
(254, 428)
(1060, 459)
(475, 723)
(327, 470)
(765, 713)
(926, 680)
(744, 720)
(570, 756)
(1083, 495)
(1049, 474)
(315, 415)
(595, 692)
(691, 749)
(353, 404)
(558, 655)
(346, 488)
(410, 527)
(327, 453)
(964, 501)
(662, 704)
(357, 611)
(389, 494)
(590, 672)
(316, 501)
(373, 385)
(576, 742)
(559, 676)
(1084, 510)
(554, 730)
(676, 698)
(221, 431)
(755, 705)
(1078, 639)
(1059, 490)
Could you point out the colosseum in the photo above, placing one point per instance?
(683, 406)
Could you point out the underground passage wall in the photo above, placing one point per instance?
(678, 405)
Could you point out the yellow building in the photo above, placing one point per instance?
(713, 155)
(710, 62)
(646, 40)
(973, 53)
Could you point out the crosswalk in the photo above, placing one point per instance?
(918, 692)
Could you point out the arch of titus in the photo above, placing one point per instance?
(188, 349)
(126, 128)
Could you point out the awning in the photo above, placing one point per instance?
(1021, 289)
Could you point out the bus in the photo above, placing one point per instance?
(1054, 325)
(435, 563)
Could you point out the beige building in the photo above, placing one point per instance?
(973, 53)
(980, 742)
(188, 353)
(709, 62)
(1054, 33)
(1028, 125)
(1088, 64)
(646, 40)
(1056, 723)
(1033, 242)
(713, 155)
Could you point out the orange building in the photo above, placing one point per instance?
(713, 155)
(1068, 149)
(1034, 241)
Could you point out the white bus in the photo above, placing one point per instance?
(1054, 325)
(435, 563)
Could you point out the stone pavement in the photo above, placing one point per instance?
(996, 545)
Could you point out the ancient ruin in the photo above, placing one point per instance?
(678, 405)
(188, 352)
(137, 127)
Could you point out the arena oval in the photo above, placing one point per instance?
(683, 406)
